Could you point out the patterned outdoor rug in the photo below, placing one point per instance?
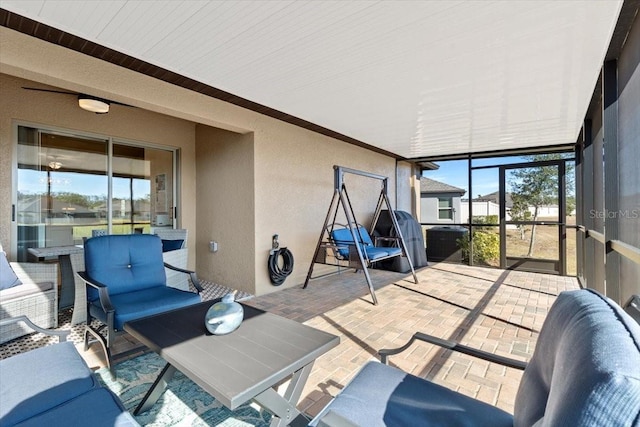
(183, 403)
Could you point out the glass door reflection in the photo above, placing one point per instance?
(70, 188)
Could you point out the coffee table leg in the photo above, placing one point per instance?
(284, 407)
(156, 390)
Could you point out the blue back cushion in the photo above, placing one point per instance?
(585, 369)
(124, 262)
(8, 278)
(343, 236)
(171, 245)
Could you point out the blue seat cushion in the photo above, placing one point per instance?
(393, 251)
(96, 408)
(374, 253)
(380, 395)
(145, 302)
(35, 381)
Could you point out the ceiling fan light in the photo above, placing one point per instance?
(95, 105)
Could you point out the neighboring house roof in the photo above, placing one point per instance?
(432, 186)
(39, 202)
(495, 198)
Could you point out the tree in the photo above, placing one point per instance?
(534, 187)
(520, 212)
(73, 198)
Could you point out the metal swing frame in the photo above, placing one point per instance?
(341, 198)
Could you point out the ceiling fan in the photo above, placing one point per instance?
(90, 103)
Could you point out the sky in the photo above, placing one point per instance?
(35, 182)
(485, 181)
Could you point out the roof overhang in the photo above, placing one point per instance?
(411, 80)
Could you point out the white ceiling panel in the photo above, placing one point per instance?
(416, 78)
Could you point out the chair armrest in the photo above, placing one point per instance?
(378, 239)
(452, 345)
(192, 275)
(62, 335)
(632, 307)
(103, 291)
(387, 238)
(331, 419)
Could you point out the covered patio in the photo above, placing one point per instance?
(382, 88)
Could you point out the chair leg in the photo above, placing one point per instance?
(104, 343)
(86, 338)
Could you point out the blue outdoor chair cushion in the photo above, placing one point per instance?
(381, 395)
(41, 379)
(8, 278)
(127, 262)
(391, 251)
(585, 370)
(343, 238)
(172, 245)
(97, 408)
(374, 253)
(143, 303)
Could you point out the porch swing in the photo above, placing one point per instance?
(351, 245)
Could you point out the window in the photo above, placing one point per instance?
(71, 186)
(445, 208)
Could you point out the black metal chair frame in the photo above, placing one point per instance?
(453, 346)
(106, 340)
(62, 335)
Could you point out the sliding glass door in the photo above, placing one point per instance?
(70, 187)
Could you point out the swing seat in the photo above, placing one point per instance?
(345, 245)
(352, 243)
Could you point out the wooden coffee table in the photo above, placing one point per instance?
(239, 367)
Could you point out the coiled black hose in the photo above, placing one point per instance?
(277, 274)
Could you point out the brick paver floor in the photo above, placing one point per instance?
(496, 310)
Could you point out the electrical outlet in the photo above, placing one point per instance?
(213, 246)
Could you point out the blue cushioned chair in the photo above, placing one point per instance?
(125, 279)
(585, 371)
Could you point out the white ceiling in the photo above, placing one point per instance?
(416, 78)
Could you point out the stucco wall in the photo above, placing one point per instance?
(278, 180)
(225, 206)
(294, 187)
